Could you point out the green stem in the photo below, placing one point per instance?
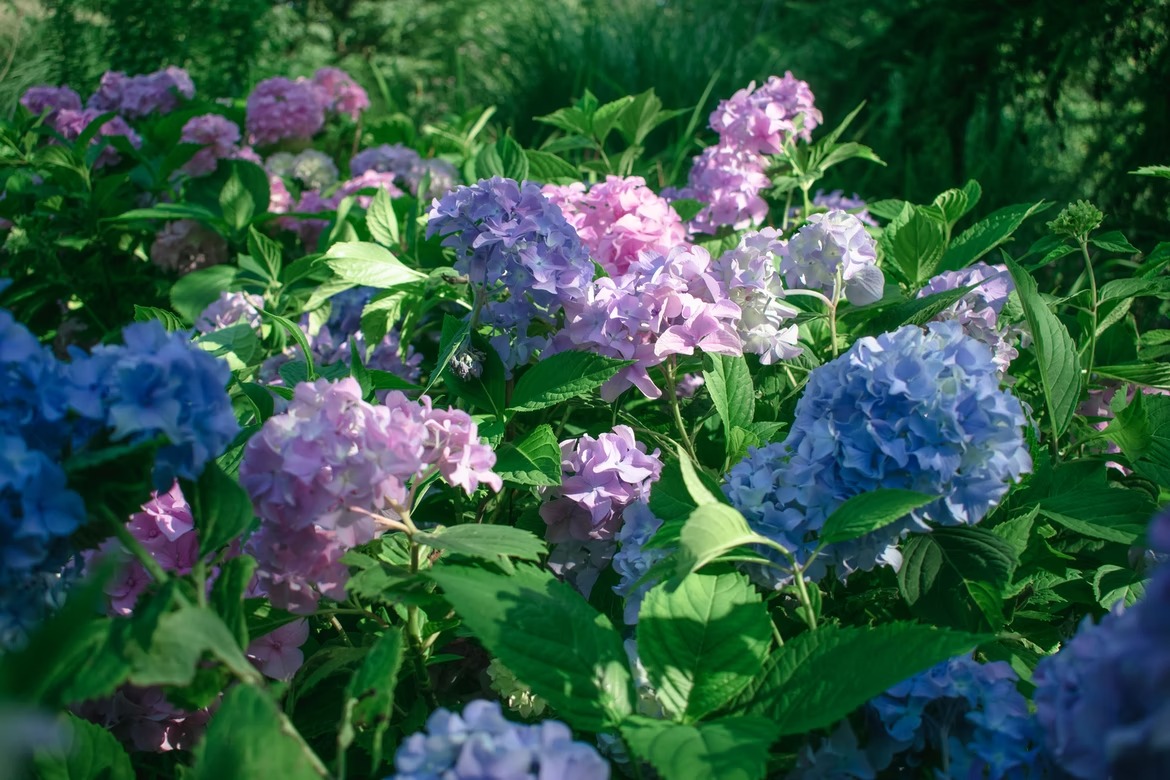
(833, 313)
(807, 203)
(787, 210)
(668, 369)
(802, 594)
(414, 637)
(1092, 311)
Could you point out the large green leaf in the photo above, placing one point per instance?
(1056, 354)
(734, 748)
(221, 508)
(494, 543)
(702, 642)
(868, 512)
(985, 235)
(562, 376)
(369, 696)
(729, 383)
(957, 576)
(534, 459)
(1148, 374)
(369, 265)
(381, 220)
(191, 294)
(711, 531)
(88, 752)
(821, 676)
(549, 637)
(915, 241)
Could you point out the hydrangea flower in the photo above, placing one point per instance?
(408, 168)
(978, 311)
(143, 720)
(185, 245)
(366, 181)
(1103, 700)
(749, 274)
(317, 473)
(837, 200)
(230, 308)
(618, 218)
(277, 654)
(524, 261)
(36, 390)
(280, 109)
(663, 306)
(71, 124)
(313, 169)
(834, 254)
(309, 230)
(632, 560)
(38, 511)
(218, 136)
(143, 95)
(480, 743)
(919, 409)
(44, 98)
(439, 176)
(344, 95)
(729, 181)
(762, 120)
(602, 477)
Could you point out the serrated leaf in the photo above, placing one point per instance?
(710, 531)
(88, 752)
(1148, 374)
(237, 345)
(454, 338)
(953, 205)
(821, 676)
(562, 376)
(534, 459)
(236, 203)
(1055, 352)
(488, 542)
(1113, 584)
(943, 574)
(545, 633)
(263, 249)
(702, 642)
(1153, 170)
(729, 383)
(915, 241)
(732, 748)
(369, 696)
(512, 159)
(867, 512)
(227, 595)
(179, 642)
(146, 313)
(985, 235)
(1114, 241)
(547, 168)
(606, 116)
(381, 220)
(369, 265)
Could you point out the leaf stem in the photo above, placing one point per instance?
(668, 371)
(1084, 242)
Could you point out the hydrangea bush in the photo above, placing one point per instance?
(325, 438)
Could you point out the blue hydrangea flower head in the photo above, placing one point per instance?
(918, 409)
(37, 511)
(632, 561)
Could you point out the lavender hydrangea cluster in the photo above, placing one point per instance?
(370, 180)
(602, 477)
(410, 170)
(281, 109)
(1103, 700)
(762, 120)
(664, 305)
(139, 96)
(749, 273)
(480, 743)
(230, 308)
(184, 245)
(71, 124)
(978, 311)
(219, 137)
(618, 218)
(633, 560)
(45, 98)
(919, 409)
(833, 254)
(837, 200)
(730, 182)
(321, 472)
(344, 96)
(522, 259)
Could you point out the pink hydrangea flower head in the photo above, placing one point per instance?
(70, 124)
(185, 245)
(618, 218)
(729, 180)
(230, 308)
(44, 98)
(218, 136)
(369, 180)
(345, 96)
(762, 120)
(663, 305)
(834, 254)
(278, 654)
(749, 272)
(602, 477)
(280, 109)
(280, 200)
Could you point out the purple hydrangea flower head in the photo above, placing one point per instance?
(664, 305)
(277, 654)
(762, 120)
(140, 96)
(396, 159)
(217, 134)
(280, 109)
(969, 712)
(230, 308)
(837, 200)
(143, 720)
(749, 273)
(633, 560)
(918, 409)
(70, 124)
(160, 384)
(730, 181)
(618, 218)
(519, 254)
(834, 254)
(836, 757)
(479, 743)
(345, 96)
(313, 169)
(44, 98)
(978, 311)
(370, 180)
(433, 177)
(185, 245)
(602, 477)
(688, 384)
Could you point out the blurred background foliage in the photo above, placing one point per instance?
(1034, 98)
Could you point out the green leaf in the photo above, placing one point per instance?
(264, 249)
(369, 265)
(703, 642)
(548, 168)
(702, 491)
(146, 313)
(1127, 535)
(237, 345)
(192, 293)
(369, 696)
(227, 595)
(298, 335)
(985, 235)
(178, 644)
(563, 376)
(381, 220)
(88, 752)
(710, 531)
(1054, 349)
(729, 383)
(956, 576)
(262, 618)
(488, 163)
(236, 203)
(953, 204)
(168, 211)
(1113, 584)
(221, 508)
(534, 459)
(821, 676)
(487, 390)
(494, 543)
(1153, 170)
(734, 748)
(454, 338)
(514, 162)
(1114, 241)
(915, 240)
(687, 208)
(549, 637)
(868, 512)
(1148, 374)
(248, 738)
